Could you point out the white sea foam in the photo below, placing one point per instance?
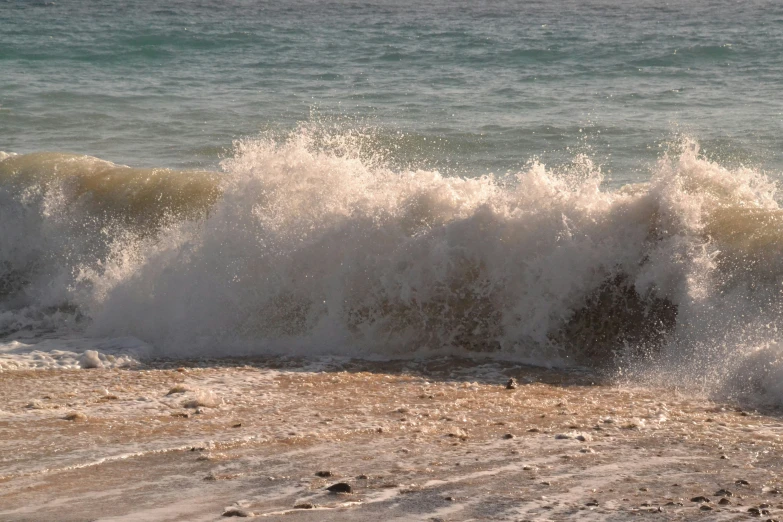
(315, 248)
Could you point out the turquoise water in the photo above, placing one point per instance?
(462, 87)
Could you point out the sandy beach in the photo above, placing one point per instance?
(440, 439)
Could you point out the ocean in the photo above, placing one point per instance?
(458, 260)
(560, 183)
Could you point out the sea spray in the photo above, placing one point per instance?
(301, 248)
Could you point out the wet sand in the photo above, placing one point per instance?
(440, 439)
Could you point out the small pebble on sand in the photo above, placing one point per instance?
(179, 388)
(340, 487)
(75, 416)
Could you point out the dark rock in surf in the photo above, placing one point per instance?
(340, 487)
(512, 384)
(236, 512)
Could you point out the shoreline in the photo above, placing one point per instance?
(421, 440)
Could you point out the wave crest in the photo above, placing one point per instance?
(297, 247)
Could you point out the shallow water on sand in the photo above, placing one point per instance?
(443, 438)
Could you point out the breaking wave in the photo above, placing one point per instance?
(305, 247)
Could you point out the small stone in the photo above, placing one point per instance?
(700, 499)
(508, 436)
(528, 468)
(591, 503)
(181, 414)
(705, 507)
(724, 501)
(742, 482)
(236, 425)
(362, 477)
(512, 384)
(723, 493)
(547, 483)
(450, 499)
(236, 512)
(179, 388)
(75, 416)
(340, 487)
(324, 474)
(724, 457)
(756, 512)
(304, 505)
(533, 430)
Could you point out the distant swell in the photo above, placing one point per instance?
(301, 248)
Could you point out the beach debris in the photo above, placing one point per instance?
(340, 487)
(512, 384)
(324, 474)
(90, 359)
(236, 512)
(304, 505)
(75, 416)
